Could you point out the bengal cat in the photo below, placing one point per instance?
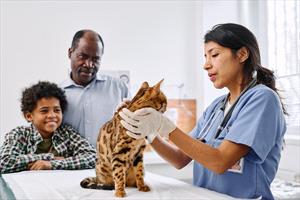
(120, 157)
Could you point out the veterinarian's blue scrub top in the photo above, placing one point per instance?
(91, 106)
(258, 122)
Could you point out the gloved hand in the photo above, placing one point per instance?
(146, 122)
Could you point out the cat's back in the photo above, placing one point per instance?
(110, 133)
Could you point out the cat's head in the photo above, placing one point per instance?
(149, 97)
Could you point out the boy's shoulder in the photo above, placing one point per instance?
(22, 130)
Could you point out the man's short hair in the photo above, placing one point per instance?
(79, 34)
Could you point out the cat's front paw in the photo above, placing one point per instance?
(144, 188)
(119, 193)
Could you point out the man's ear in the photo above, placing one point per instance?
(243, 54)
(70, 50)
(28, 116)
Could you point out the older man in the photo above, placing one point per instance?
(91, 97)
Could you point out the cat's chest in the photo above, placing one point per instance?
(114, 135)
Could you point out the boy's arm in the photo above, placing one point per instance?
(83, 154)
(13, 156)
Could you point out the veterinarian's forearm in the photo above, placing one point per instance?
(215, 159)
(170, 153)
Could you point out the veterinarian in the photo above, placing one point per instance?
(92, 98)
(237, 142)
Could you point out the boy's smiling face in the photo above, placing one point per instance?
(46, 117)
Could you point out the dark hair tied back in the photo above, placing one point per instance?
(235, 36)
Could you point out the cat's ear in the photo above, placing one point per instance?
(141, 91)
(145, 85)
(157, 85)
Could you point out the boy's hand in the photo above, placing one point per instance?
(58, 158)
(39, 165)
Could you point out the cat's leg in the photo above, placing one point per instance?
(119, 175)
(103, 170)
(130, 177)
(104, 175)
(103, 164)
(139, 174)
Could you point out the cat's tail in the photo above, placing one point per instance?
(91, 183)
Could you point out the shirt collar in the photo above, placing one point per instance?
(69, 82)
(37, 137)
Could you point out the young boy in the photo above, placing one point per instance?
(45, 144)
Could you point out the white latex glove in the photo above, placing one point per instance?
(146, 122)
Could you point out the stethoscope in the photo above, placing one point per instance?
(212, 119)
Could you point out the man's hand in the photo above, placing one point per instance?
(145, 122)
(123, 104)
(39, 165)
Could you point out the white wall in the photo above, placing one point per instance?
(152, 39)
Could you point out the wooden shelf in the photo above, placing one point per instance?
(183, 113)
(186, 113)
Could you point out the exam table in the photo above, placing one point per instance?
(65, 184)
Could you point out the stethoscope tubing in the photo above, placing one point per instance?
(220, 109)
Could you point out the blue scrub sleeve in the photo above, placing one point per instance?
(194, 133)
(197, 129)
(257, 123)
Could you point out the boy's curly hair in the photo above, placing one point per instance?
(43, 89)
